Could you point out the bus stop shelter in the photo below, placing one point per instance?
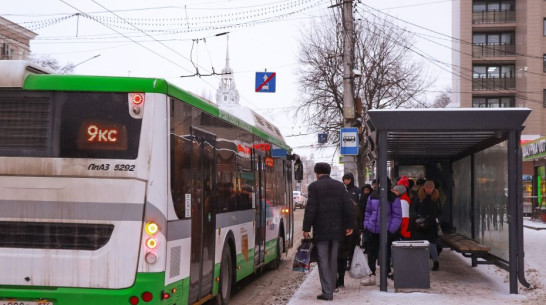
(475, 155)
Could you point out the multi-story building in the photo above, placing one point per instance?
(499, 60)
(499, 57)
(14, 40)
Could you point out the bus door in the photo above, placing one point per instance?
(203, 216)
(259, 254)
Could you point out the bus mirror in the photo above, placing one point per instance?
(298, 170)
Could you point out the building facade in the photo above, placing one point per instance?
(499, 57)
(14, 40)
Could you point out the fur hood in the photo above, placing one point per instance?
(434, 196)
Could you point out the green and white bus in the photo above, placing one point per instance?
(117, 190)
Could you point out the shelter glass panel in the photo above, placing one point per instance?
(490, 198)
(462, 206)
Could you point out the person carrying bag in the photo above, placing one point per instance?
(359, 265)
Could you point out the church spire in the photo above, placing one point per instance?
(227, 93)
(227, 68)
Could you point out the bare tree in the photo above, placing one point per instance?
(442, 100)
(53, 64)
(391, 78)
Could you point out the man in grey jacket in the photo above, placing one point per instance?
(329, 214)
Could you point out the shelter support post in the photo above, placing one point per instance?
(383, 191)
(515, 203)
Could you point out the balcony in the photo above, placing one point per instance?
(493, 50)
(484, 17)
(503, 83)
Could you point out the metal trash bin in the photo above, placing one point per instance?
(410, 260)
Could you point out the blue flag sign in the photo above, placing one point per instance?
(349, 141)
(265, 81)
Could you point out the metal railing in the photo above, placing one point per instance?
(493, 17)
(493, 83)
(493, 50)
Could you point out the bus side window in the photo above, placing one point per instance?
(181, 151)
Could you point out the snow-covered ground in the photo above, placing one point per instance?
(456, 283)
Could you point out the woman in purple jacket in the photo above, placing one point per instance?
(372, 228)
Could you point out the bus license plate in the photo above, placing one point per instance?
(15, 302)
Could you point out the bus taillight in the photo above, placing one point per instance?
(147, 296)
(150, 258)
(136, 105)
(133, 300)
(151, 243)
(151, 228)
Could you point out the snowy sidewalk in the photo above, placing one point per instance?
(535, 224)
(457, 282)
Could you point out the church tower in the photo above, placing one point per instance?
(227, 93)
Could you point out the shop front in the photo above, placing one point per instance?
(535, 152)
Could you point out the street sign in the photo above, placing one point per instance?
(341, 159)
(279, 153)
(322, 138)
(265, 81)
(349, 141)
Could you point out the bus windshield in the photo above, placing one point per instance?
(67, 125)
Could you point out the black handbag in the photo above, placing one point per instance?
(421, 223)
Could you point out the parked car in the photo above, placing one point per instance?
(299, 200)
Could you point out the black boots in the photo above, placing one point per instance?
(436, 266)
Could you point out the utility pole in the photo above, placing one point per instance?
(348, 79)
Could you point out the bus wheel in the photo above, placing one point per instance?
(226, 277)
(280, 244)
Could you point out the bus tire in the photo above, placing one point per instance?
(226, 277)
(280, 243)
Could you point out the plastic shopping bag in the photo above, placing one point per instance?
(359, 265)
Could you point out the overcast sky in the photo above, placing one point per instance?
(167, 38)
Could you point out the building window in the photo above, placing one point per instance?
(493, 38)
(493, 5)
(493, 102)
(544, 63)
(544, 99)
(544, 27)
(493, 71)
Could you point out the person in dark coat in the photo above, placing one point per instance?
(425, 210)
(328, 213)
(347, 246)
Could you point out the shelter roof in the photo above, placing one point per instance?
(433, 134)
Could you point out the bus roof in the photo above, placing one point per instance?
(84, 83)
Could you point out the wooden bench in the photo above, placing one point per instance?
(466, 246)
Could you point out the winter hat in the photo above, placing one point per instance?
(403, 181)
(429, 183)
(348, 176)
(322, 168)
(399, 188)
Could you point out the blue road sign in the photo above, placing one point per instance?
(265, 81)
(279, 152)
(349, 141)
(322, 138)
